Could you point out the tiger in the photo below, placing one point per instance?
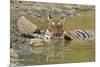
(56, 30)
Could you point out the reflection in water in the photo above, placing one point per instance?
(60, 51)
(55, 51)
(52, 53)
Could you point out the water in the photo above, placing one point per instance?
(60, 52)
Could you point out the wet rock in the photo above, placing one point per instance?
(13, 57)
(13, 53)
(37, 42)
(25, 26)
(24, 49)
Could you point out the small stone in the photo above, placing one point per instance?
(37, 42)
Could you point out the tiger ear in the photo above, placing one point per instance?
(62, 18)
(50, 17)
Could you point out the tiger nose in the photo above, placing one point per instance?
(56, 22)
(55, 34)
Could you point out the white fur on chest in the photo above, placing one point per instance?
(48, 35)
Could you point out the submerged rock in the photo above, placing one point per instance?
(24, 49)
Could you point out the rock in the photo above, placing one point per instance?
(37, 42)
(13, 57)
(24, 49)
(13, 53)
(25, 26)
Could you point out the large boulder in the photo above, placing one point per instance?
(25, 26)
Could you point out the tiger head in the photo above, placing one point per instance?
(55, 26)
